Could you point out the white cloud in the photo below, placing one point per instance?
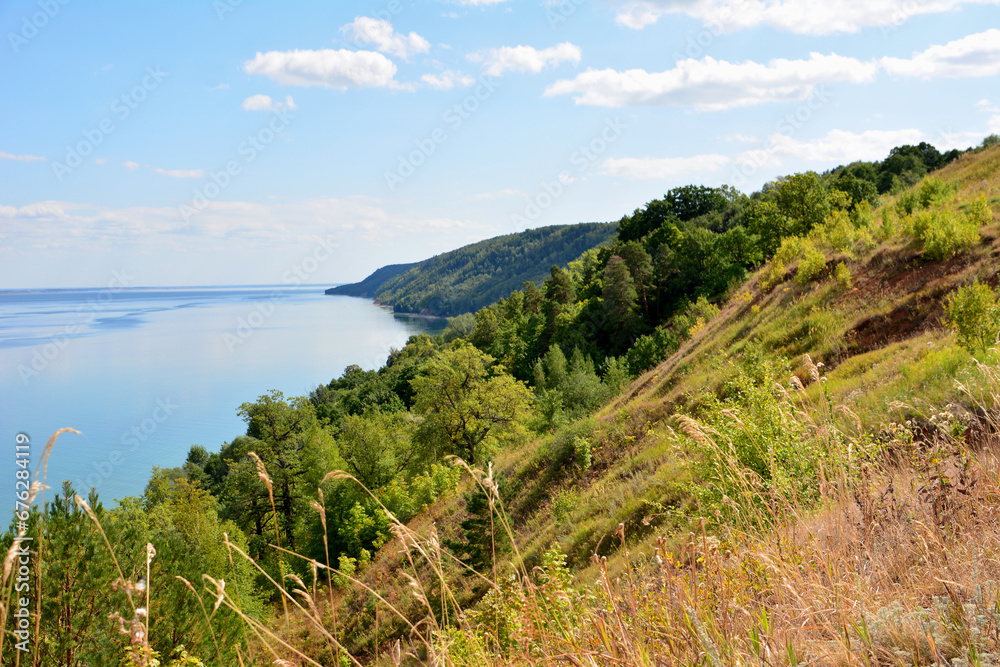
(448, 79)
(380, 33)
(648, 168)
(100, 160)
(811, 17)
(21, 158)
(221, 86)
(994, 124)
(340, 69)
(711, 84)
(972, 55)
(480, 3)
(131, 166)
(180, 173)
(220, 225)
(525, 58)
(839, 146)
(265, 103)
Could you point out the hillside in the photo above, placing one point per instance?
(476, 275)
(369, 287)
(876, 515)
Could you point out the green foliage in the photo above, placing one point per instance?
(944, 234)
(651, 349)
(751, 443)
(693, 317)
(616, 374)
(377, 447)
(804, 200)
(979, 212)
(469, 409)
(620, 300)
(460, 326)
(840, 231)
(811, 265)
(484, 539)
(973, 313)
(843, 276)
(582, 453)
(81, 593)
(477, 275)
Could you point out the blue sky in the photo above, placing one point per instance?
(251, 142)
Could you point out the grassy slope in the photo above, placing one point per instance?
(888, 358)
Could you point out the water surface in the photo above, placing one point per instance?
(145, 373)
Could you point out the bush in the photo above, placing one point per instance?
(690, 320)
(944, 234)
(980, 213)
(650, 350)
(581, 453)
(839, 231)
(973, 313)
(843, 276)
(933, 191)
(811, 265)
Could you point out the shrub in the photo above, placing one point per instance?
(843, 276)
(933, 191)
(973, 313)
(944, 234)
(811, 265)
(581, 453)
(790, 248)
(840, 231)
(980, 213)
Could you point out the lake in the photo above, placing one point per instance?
(144, 373)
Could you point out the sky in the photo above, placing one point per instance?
(227, 142)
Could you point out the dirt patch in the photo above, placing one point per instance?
(905, 321)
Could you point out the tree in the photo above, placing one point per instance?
(376, 447)
(692, 201)
(767, 222)
(468, 410)
(640, 265)
(620, 303)
(804, 200)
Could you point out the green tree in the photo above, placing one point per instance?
(468, 408)
(803, 199)
(620, 300)
(376, 447)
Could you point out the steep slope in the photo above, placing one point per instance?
(479, 274)
(875, 364)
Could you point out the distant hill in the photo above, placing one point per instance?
(369, 286)
(477, 275)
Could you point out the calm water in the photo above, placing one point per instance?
(145, 373)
